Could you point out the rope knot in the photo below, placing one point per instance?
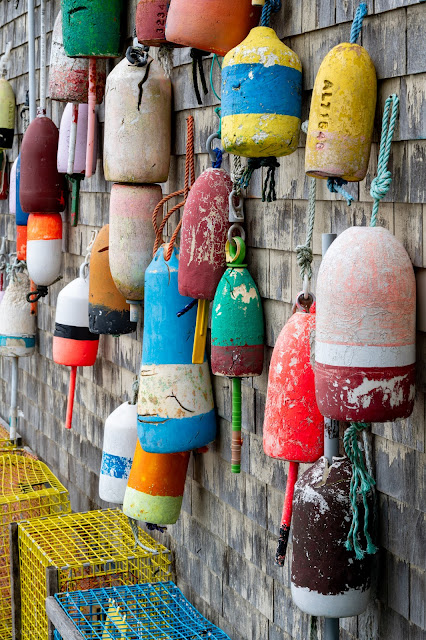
(304, 257)
(380, 185)
(335, 185)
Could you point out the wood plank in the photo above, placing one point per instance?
(61, 621)
(15, 580)
(52, 587)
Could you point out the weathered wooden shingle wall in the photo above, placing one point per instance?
(225, 539)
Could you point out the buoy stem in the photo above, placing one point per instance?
(73, 138)
(14, 399)
(287, 514)
(71, 392)
(91, 118)
(331, 629)
(31, 60)
(236, 426)
(42, 57)
(200, 335)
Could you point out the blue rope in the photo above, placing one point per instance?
(269, 7)
(187, 307)
(335, 185)
(381, 183)
(361, 12)
(219, 154)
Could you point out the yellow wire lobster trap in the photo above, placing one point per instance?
(89, 550)
(28, 489)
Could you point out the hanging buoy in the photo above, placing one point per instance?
(131, 239)
(41, 186)
(15, 207)
(237, 334)
(109, 312)
(73, 343)
(293, 428)
(69, 77)
(326, 579)
(17, 325)
(365, 334)
(175, 403)
(81, 139)
(120, 437)
(44, 248)
(151, 22)
(155, 487)
(261, 97)
(214, 26)
(341, 118)
(7, 114)
(93, 31)
(137, 123)
(202, 246)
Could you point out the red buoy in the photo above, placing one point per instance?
(41, 187)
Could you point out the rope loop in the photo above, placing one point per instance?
(381, 183)
(360, 14)
(335, 185)
(304, 254)
(362, 483)
(268, 191)
(270, 6)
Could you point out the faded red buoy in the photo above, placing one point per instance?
(151, 18)
(365, 335)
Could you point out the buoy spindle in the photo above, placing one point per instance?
(236, 426)
(71, 393)
(287, 514)
(91, 120)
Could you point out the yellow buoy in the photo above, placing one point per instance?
(342, 115)
(7, 114)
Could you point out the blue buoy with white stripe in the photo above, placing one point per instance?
(175, 403)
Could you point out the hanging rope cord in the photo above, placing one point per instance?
(304, 254)
(335, 185)
(362, 480)
(270, 6)
(189, 181)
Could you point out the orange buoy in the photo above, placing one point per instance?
(365, 334)
(155, 487)
(44, 247)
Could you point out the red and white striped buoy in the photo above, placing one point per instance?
(365, 335)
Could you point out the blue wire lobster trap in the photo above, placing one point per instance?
(136, 612)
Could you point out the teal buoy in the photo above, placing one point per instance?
(237, 333)
(91, 29)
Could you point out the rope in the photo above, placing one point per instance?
(361, 482)
(381, 183)
(135, 530)
(215, 59)
(165, 58)
(268, 191)
(237, 174)
(187, 307)
(360, 14)
(219, 155)
(155, 527)
(335, 185)
(197, 64)
(189, 177)
(304, 254)
(270, 6)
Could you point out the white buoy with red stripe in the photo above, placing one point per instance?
(44, 249)
(79, 161)
(73, 344)
(365, 334)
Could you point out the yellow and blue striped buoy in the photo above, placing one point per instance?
(261, 97)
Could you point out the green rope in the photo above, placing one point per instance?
(304, 254)
(361, 482)
(215, 59)
(381, 183)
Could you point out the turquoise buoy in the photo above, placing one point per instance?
(175, 403)
(91, 29)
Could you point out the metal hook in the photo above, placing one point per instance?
(303, 304)
(209, 148)
(239, 232)
(236, 212)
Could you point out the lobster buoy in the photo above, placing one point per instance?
(81, 140)
(41, 186)
(137, 123)
(151, 22)
(155, 487)
(44, 247)
(109, 312)
(342, 115)
(175, 403)
(120, 437)
(15, 208)
(326, 579)
(73, 343)
(261, 97)
(214, 26)
(94, 32)
(17, 325)
(7, 114)
(203, 237)
(131, 239)
(69, 77)
(365, 334)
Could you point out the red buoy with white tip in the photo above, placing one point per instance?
(44, 247)
(73, 343)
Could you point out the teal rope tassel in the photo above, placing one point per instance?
(335, 185)
(269, 7)
(381, 183)
(361, 482)
(360, 14)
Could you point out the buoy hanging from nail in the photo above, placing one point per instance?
(293, 427)
(202, 260)
(73, 343)
(109, 313)
(175, 404)
(327, 579)
(137, 140)
(155, 487)
(131, 236)
(365, 334)
(237, 333)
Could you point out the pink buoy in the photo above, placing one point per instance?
(81, 140)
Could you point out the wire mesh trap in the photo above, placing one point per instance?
(136, 612)
(89, 550)
(28, 489)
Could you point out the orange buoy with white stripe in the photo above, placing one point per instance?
(44, 247)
